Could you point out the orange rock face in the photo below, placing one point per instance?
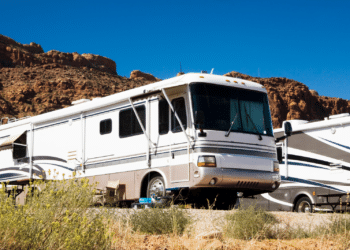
(137, 74)
(33, 82)
(14, 54)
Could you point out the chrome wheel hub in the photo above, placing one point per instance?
(304, 207)
(156, 188)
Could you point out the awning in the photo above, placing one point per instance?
(8, 144)
(146, 95)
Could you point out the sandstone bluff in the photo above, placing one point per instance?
(33, 82)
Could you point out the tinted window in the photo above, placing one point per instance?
(106, 126)
(128, 123)
(243, 110)
(163, 117)
(19, 147)
(180, 109)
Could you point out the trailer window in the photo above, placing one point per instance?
(180, 109)
(128, 123)
(163, 117)
(105, 127)
(20, 147)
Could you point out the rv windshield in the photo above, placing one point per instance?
(245, 111)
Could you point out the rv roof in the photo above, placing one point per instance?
(123, 96)
(339, 120)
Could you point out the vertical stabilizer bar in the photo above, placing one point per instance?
(31, 151)
(141, 125)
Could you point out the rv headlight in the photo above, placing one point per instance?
(206, 161)
(276, 166)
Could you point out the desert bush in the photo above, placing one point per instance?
(56, 216)
(250, 223)
(340, 223)
(160, 220)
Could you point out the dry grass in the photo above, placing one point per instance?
(60, 216)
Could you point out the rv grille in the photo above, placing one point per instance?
(250, 184)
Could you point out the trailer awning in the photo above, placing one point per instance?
(146, 95)
(13, 139)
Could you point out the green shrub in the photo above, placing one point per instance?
(159, 220)
(56, 215)
(250, 223)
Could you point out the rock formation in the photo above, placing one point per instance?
(14, 54)
(33, 82)
(137, 74)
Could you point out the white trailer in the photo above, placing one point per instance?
(315, 166)
(209, 134)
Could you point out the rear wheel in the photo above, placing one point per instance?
(304, 205)
(156, 187)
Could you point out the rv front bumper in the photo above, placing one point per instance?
(238, 179)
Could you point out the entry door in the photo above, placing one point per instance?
(179, 162)
(172, 149)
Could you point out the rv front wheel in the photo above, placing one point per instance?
(156, 187)
(304, 205)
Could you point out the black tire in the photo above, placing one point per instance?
(304, 205)
(156, 187)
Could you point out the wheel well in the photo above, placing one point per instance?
(298, 198)
(144, 183)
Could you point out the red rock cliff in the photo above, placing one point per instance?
(33, 82)
(14, 54)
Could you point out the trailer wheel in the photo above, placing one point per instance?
(156, 187)
(304, 205)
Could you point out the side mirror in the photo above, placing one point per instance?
(199, 117)
(287, 129)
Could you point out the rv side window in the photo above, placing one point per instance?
(20, 147)
(180, 109)
(128, 123)
(105, 126)
(163, 117)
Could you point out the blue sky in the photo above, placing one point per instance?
(306, 40)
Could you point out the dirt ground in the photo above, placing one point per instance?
(163, 242)
(206, 233)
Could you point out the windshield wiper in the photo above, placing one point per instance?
(251, 120)
(233, 122)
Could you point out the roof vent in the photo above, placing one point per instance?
(80, 101)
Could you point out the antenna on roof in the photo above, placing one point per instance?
(180, 73)
(211, 72)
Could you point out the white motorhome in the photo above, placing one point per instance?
(205, 133)
(315, 166)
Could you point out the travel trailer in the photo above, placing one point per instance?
(315, 166)
(207, 134)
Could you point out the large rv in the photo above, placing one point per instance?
(209, 134)
(315, 166)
